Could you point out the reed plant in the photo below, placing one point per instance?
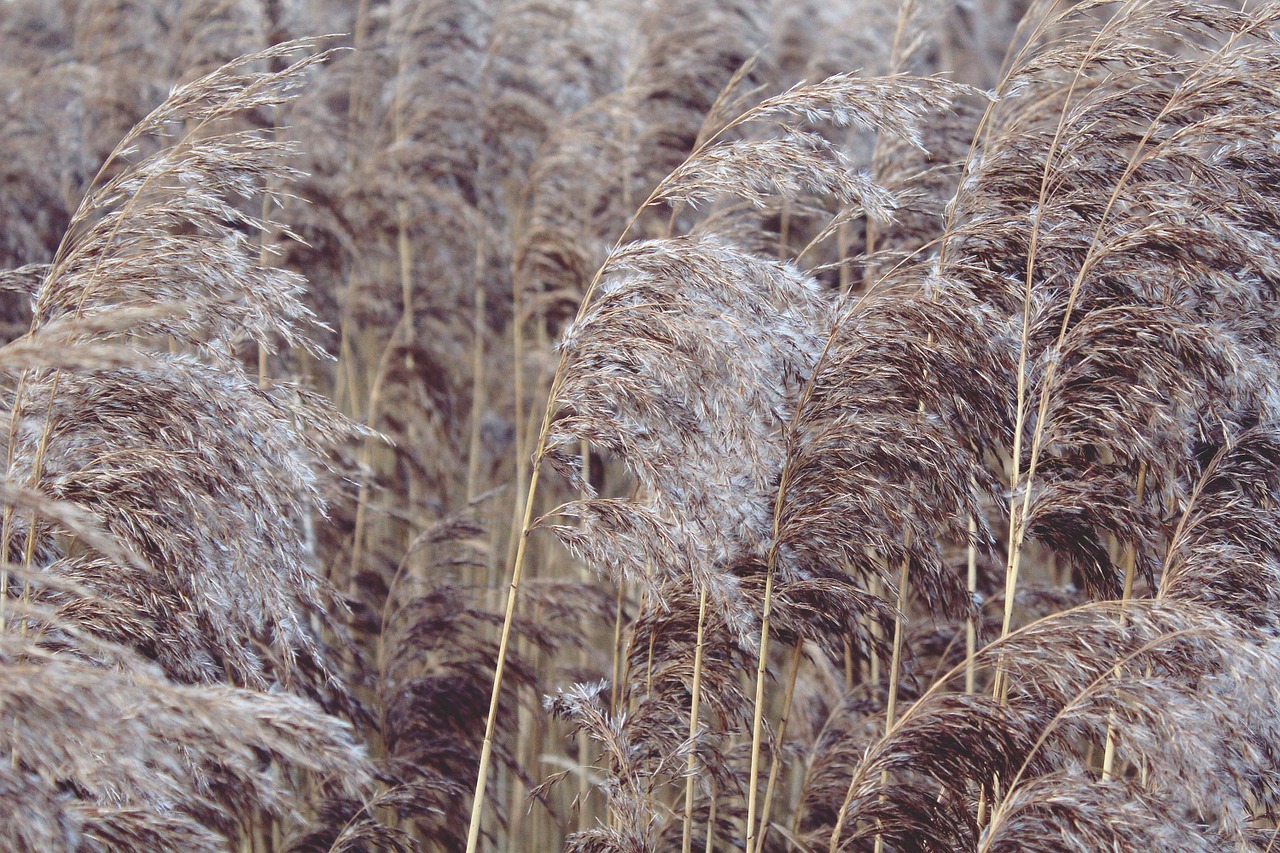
(547, 425)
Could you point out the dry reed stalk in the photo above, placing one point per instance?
(686, 843)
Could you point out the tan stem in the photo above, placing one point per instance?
(971, 629)
(834, 844)
(486, 748)
(775, 766)
(617, 649)
(891, 701)
(1130, 571)
(757, 725)
(686, 844)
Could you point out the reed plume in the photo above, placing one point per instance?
(157, 498)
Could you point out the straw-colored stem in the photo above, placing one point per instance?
(775, 766)
(834, 844)
(1275, 833)
(899, 619)
(486, 748)
(757, 724)
(873, 660)
(895, 664)
(366, 451)
(584, 740)
(1130, 560)
(1016, 517)
(617, 649)
(686, 843)
(971, 628)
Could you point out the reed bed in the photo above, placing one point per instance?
(525, 426)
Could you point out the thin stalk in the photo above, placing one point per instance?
(834, 843)
(525, 746)
(344, 384)
(355, 103)
(1016, 516)
(504, 641)
(776, 764)
(1130, 565)
(584, 740)
(971, 629)
(891, 701)
(842, 252)
(844, 311)
(404, 327)
(757, 723)
(891, 704)
(366, 454)
(1130, 560)
(522, 455)
(686, 843)
(784, 229)
(525, 528)
(617, 649)
(584, 787)
(873, 660)
(355, 120)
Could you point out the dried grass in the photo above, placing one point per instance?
(912, 430)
